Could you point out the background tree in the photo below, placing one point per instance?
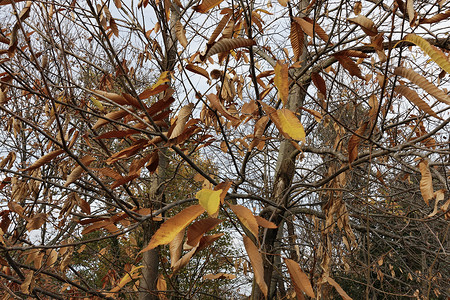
(314, 133)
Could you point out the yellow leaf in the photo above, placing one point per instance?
(299, 279)
(290, 124)
(281, 81)
(257, 263)
(436, 55)
(209, 199)
(97, 103)
(170, 228)
(126, 278)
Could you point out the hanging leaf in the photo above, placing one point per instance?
(264, 223)
(338, 288)
(197, 70)
(283, 2)
(426, 182)
(354, 141)
(161, 286)
(439, 196)
(436, 18)
(115, 115)
(290, 124)
(297, 39)
(170, 228)
(176, 247)
(349, 65)
(207, 240)
(182, 262)
(183, 117)
(365, 23)
(357, 8)
(219, 276)
(129, 276)
(44, 159)
(319, 83)
(206, 5)
(216, 104)
(199, 228)
(435, 54)
(76, 173)
(281, 81)
(219, 28)
(209, 199)
(180, 32)
(299, 279)
(36, 221)
(411, 12)
(257, 263)
(415, 99)
(423, 83)
(225, 45)
(246, 217)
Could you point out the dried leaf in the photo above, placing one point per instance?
(44, 159)
(281, 81)
(161, 286)
(129, 276)
(435, 54)
(246, 217)
(182, 262)
(206, 5)
(37, 221)
(435, 18)
(264, 223)
(415, 99)
(219, 276)
(197, 70)
(297, 39)
(338, 288)
(183, 117)
(176, 247)
(25, 286)
(299, 279)
(349, 65)
(365, 23)
(76, 173)
(319, 82)
(170, 228)
(423, 83)
(115, 115)
(357, 8)
(354, 141)
(426, 182)
(199, 228)
(225, 45)
(257, 263)
(219, 28)
(216, 104)
(180, 32)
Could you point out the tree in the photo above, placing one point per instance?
(314, 132)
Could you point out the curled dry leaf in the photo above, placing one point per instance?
(354, 141)
(436, 18)
(349, 65)
(115, 115)
(226, 45)
(170, 228)
(319, 82)
(426, 182)
(299, 279)
(439, 196)
(183, 117)
(423, 83)
(176, 247)
(413, 97)
(257, 263)
(338, 288)
(365, 23)
(264, 223)
(219, 276)
(219, 28)
(182, 262)
(357, 8)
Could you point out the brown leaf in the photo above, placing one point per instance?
(435, 18)
(354, 141)
(182, 262)
(299, 279)
(338, 288)
(319, 82)
(219, 276)
(25, 286)
(76, 173)
(219, 28)
(225, 45)
(246, 217)
(180, 32)
(115, 115)
(349, 65)
(281, 81)
(365, 23)
(357, 8)
(216, 104)
(415, 99)
(297, 38)
(176, 247)
(423, 83)
(207, 240)
(265, 223)
(426, 182)
(37, 221)
(44, 159)
(170, 228)
(183, 117)
(197, 70)
(257, 263)
(206, 5)
(199, 228)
